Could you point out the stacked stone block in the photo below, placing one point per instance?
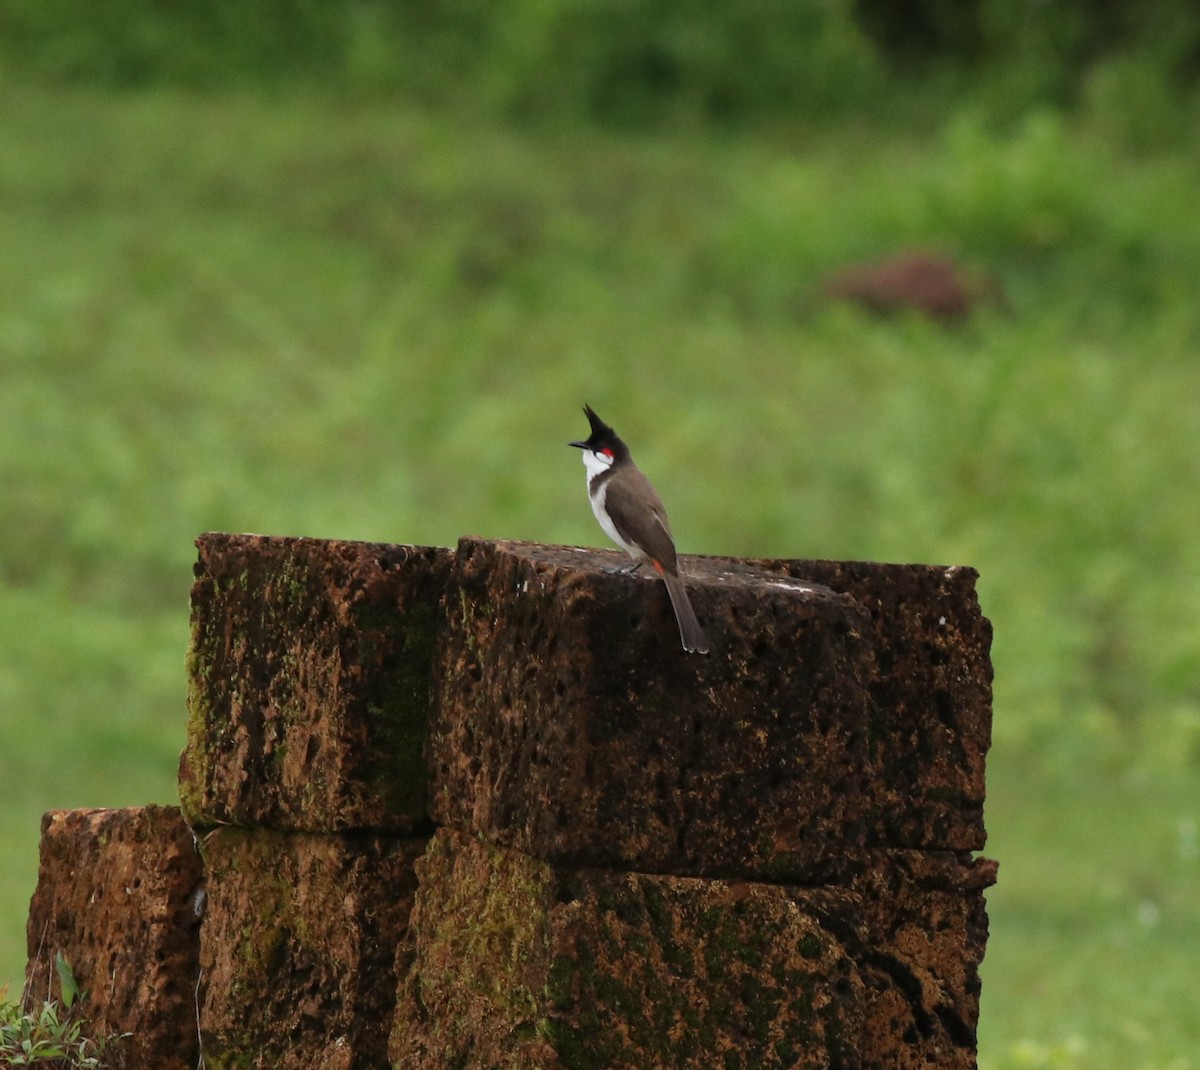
(309, 690)
(120, 894)
(476, 808)
(569, 724)
(754, 790)
(299, 946)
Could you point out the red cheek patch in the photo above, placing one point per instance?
(606, 452)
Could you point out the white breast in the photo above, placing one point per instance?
(595, 463)
(602, 519)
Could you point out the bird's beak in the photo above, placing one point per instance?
(578, 445)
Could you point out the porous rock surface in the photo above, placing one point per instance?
(924, 933)
(569, 723)
(120, 894)
(309, 675)
(522, 963)
(930, 697)
(641, 858)
(299, 946)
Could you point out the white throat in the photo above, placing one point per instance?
(595, 463)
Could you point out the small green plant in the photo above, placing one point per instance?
(52, 1035)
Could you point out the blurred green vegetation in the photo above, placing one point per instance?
(636, 61)
(348, 272)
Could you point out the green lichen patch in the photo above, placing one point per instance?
(613, 969)
(481, 956)
(299, 944)
(310, 683)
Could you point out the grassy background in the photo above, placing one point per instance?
(360, 318)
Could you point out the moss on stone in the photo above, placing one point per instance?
(398, 707)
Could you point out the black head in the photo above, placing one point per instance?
(603, 438)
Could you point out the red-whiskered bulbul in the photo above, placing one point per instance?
(632, 515)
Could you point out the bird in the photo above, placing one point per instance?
(631, 513)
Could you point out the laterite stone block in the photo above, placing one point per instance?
(569, 724)
(299, 946)
(930, 690)
(309, 683)
(119, 893)
(518, 962)
(925, 928)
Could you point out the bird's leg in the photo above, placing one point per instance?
(623, 570)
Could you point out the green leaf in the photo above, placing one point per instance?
(66, 980)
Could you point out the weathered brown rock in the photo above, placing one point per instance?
(925, 928)
(930, 697)
(570, 724)
(756, 858)
(118, 894)
(299, 946)
(931, 283)
(522, 963)
(309, 673)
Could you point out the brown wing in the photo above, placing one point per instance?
(638, 515)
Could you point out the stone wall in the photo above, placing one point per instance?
(476, 808)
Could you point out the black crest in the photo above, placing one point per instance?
(602, 437)
(600, 429)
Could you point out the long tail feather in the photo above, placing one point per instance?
(690, 632)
